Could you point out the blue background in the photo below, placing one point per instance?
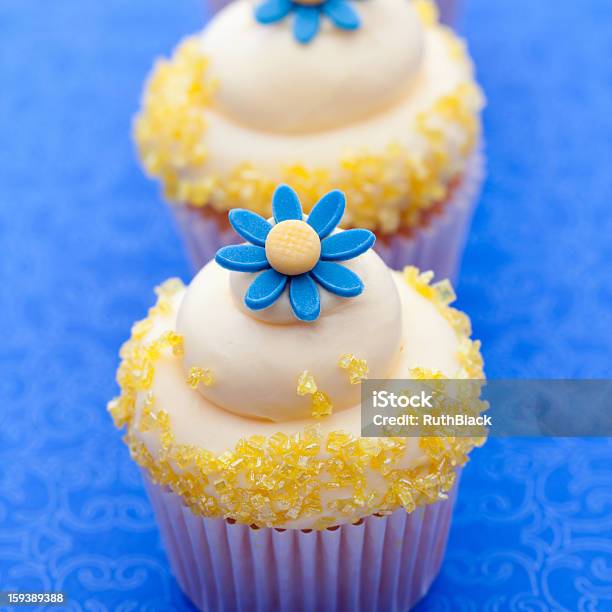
(84, 237)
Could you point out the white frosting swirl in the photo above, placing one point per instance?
(256, 364)
(270, 82)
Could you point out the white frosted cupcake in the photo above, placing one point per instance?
(241, 398)
(374, 98)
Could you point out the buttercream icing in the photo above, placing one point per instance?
(271, 83)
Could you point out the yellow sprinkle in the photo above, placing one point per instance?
(444, 292)
(321, 405)
(141, 328)
(459, 321)
(148, 420)
(345, 360)
(169, 288)
(198, 376)
(427, 12)
(357, 368)
(122, 408)
(425, 374)
(175, 341)
(406, 497)
(306, 384)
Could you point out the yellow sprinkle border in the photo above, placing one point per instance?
(271, 481)
(386, 191)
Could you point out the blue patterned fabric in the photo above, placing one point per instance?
(84, 237)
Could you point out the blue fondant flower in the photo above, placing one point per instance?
(307, 16)
(296, 252)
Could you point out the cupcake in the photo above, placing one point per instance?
(240, 394)
(375, 98)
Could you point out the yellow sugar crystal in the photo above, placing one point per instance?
(425, 277)
(163, 422)
(420, 281)
(122, 409)
(336, 440)
(425, 374)
(169, 287)
(321, 405)
(433, 447)
(306, 384)
(205, 461)
(136, 371)
(427, 12)
(345, 360)
(309, 183)
(141, 328)
(162, 308)
(279, 442)
(357, 368)
(174, 341)
(184, 455)
(446, 480)
(325, 522)
(444, 292)
(405, 496)
(256, 442)
(148, 420)
(470, 358)
(459, 320)
(358, 371)
(369, 447)
(198, 375)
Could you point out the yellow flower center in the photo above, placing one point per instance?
(309, 2)
(293, 247)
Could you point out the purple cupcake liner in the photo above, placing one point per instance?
(380, 563)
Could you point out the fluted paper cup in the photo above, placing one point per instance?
(382, 563)
(438, 246)
(448, 11)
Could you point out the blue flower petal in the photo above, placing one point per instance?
(327, 212)
(342, 14)
(337, 279)
(272, 11)
(251, 226)
(346, 245)
(304, 297)
(306, 23)
(242, 258)
(286, 204)
(265, 290)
